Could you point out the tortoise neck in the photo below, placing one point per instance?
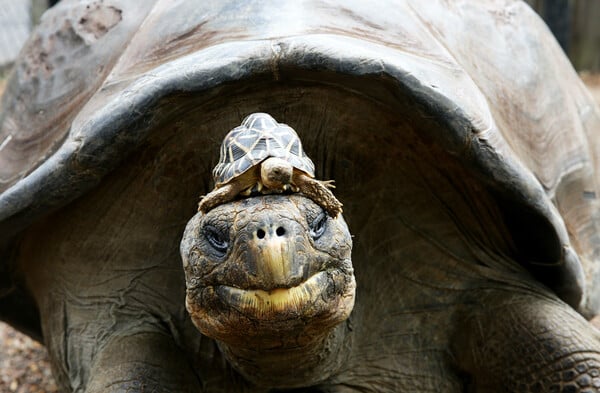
(291, 366)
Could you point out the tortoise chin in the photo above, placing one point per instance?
(266, 272)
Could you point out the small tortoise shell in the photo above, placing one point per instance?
(257, 138)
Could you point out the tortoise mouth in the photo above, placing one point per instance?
(264, 304)
(234, 315)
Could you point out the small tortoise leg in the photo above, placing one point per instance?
(142, 362)
(319, 192)
(530, 345)
(219, 196)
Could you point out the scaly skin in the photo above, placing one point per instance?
(319, 191)
(227, 192)
(151, 363)
(501, 337)
(524, 344)
(270, 278)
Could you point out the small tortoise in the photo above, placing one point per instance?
(265, 157)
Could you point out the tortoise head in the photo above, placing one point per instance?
(268, 271)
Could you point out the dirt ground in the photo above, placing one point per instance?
(24, 366)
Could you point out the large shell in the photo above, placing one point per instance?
(257, 138)
(523, 125)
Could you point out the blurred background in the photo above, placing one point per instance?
(576, 26)
(17, 18)
(24, 366)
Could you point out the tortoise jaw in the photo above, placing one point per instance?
(280, 301)
(256, 317)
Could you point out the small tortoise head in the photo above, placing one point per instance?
(257, 138)
(276, 173)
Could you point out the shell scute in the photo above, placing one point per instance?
(256, 139)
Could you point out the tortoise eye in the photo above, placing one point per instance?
(317, 227)
(216, 238)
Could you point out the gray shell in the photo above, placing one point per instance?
(66, 125)
(257, 138)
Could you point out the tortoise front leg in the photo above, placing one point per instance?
(319, 192)
(142, 362)
(221, 195)
(531, 345)
(229, 191)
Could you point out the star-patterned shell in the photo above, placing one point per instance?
(257, 138)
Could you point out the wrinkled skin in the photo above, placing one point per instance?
(269, 243)
(518, 342)
(270, 278)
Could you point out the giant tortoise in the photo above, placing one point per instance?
(464, 150)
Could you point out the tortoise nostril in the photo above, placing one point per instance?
(261, 234)
(280, 231)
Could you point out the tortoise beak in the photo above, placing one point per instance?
(273, 255)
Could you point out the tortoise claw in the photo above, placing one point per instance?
(319, 191)
(328, 183)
